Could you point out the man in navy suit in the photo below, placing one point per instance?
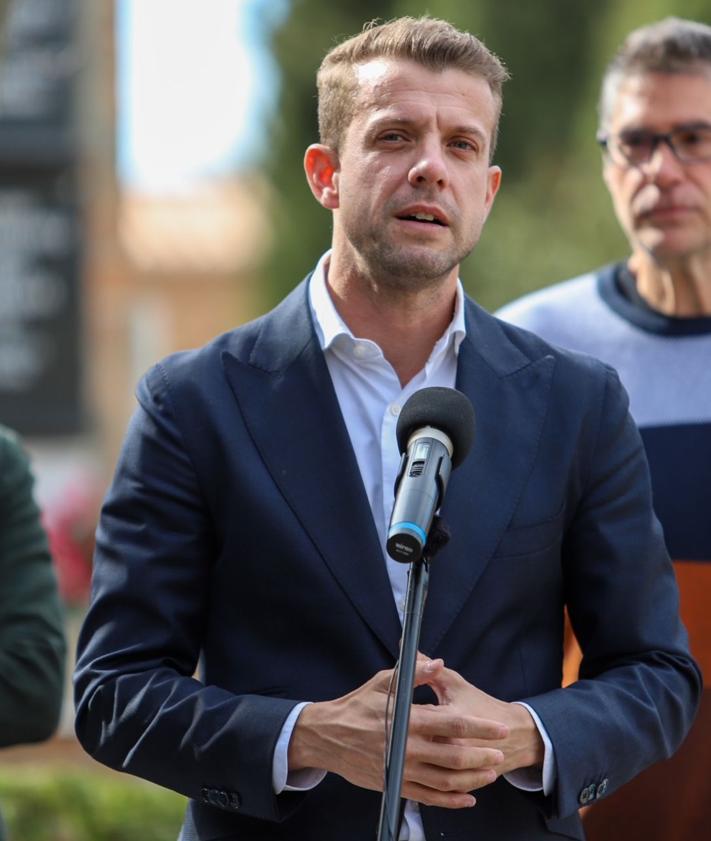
(245, 617)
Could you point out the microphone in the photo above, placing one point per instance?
(435, 432)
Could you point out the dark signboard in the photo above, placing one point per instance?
(39, 302)
(40, 228)
(38, 70)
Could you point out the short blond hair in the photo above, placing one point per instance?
(433, 43)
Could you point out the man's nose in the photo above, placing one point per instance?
(663, 167)
(430, 166)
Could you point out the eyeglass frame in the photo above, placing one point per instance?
(656, 137)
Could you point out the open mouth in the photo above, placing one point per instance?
(427, 218)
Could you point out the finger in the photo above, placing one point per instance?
(431, 675)
(421, 656)
(382, 681)
(452, 782)
(427, 670)
(452, 757)
(432, 797)
(436, 722)
(452, 768)
(445, 683)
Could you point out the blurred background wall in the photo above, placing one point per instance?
(130, 227)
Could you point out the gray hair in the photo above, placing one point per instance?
(672, 45)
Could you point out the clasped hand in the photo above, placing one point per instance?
(454, 747)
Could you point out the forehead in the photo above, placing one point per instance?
(400, 87)
(662, 100)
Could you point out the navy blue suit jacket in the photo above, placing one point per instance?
(237, 541)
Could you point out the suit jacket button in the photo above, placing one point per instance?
(235, 802)
(587, 795)
(208, 796)
(602, 788)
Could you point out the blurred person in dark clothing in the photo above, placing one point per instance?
(32, 643)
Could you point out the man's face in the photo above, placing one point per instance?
(412, 177)
(663, 205)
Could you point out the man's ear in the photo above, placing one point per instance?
(321, 165)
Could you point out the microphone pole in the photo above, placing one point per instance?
(435, 431)
(417, 581)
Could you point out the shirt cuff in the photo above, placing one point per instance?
(533, 778)
(283, 779)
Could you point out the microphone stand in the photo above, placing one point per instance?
(418, 579)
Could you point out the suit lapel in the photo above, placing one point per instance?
(286, 397)
(289, 406)
(509, 393)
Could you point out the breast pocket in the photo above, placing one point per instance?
(529, 539)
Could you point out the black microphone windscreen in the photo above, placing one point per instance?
(442, 408)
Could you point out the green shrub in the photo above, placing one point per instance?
(72, 805)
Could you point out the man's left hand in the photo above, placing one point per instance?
(522, 746)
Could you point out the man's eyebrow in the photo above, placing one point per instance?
(691, 125)
(686, 125)
(405, 122)
(394, 120)
(468, 128)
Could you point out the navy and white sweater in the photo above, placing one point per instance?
(665, 364)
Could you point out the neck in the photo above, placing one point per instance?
(681, 289)
(404, 322)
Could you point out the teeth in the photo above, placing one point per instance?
(424, 217)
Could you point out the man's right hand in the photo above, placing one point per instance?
(347, 737)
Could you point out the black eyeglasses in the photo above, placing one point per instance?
(690, 144)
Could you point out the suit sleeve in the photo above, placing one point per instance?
(140, 707)
(638, 689)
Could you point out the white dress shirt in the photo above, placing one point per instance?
(370, 397)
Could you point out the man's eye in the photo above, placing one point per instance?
(392, 136)
(692, 144)
(688, 138)
(636, 140)
(693, 138)
(463, 144)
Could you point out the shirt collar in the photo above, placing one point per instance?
(330, 326)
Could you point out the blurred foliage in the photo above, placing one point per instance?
(552, 218)
(3, 9)
(86, 806)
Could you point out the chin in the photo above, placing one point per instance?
(670, 246)
(666, 254)
(414, 261)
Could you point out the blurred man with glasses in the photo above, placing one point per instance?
(650, 317)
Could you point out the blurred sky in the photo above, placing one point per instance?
(196, 83)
